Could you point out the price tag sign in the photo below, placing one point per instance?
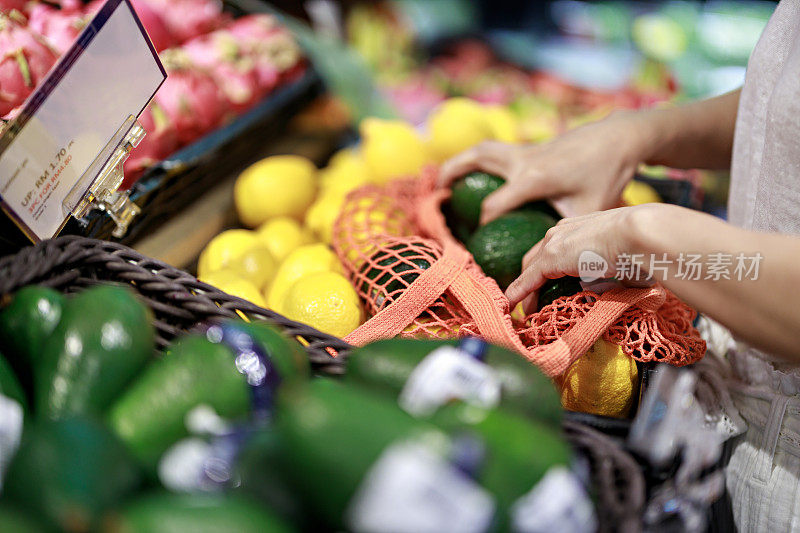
(108, 75)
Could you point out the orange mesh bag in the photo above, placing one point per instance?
(417, 280)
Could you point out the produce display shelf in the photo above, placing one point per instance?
(179, 180)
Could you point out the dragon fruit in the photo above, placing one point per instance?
(152, 21)
(25, 61)
(8, 5)
(272, 47)
(186, 19)
(190, 97)
(59, 26)
(234, 71)
(161, 140)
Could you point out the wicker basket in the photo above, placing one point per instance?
(179, 302)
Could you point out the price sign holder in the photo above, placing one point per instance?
(63, 155)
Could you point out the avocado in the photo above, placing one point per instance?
(556, 288)
(69, 472)
(384, 366)
(463, 211)
(404, 260)
(25, 325)
(162, 512)
(104, 338)
(499, 246)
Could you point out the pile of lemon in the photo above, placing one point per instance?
(280, 263)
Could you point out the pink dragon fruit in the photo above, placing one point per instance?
(186, 19)
(151, 20)
(190, 97)
(8, 5)
(272, 47)
(60, 27)
(161, 140)
(25, 61)
(234, 71)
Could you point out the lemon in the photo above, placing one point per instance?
(456, 125)
(391, 149)
(230, 281)
(322, 215)
(638, 192)
(256, 265)
(342, 179)
(346, 171)
(281, 235)
(281, 185)
(326, 301)
(502, 123)
(538, 129)
(602, 382)
(305, 260)
(224, 249)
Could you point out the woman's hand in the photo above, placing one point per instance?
(609, 234)
(582, 171)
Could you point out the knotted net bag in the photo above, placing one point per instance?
(416, 280)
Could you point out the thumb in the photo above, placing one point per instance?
(514, 193)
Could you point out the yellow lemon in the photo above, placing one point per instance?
(224, 249)
(341, 180)
(391, 149)
(502, 123)
(281, 235)
(456, 125)
(281, 185)
(230, 281)
(638, 192)
(538, 130)
(322, 214)
(604, 382)
(346, 171)
(256, 265)
(326, 301)
(305, 260)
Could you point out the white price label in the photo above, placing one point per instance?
(449, 374)
(557, 503)
(11, 419)
(410, 489)
(109, 74)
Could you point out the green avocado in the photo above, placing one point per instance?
(466, 200)
(384, 366)
(554, 289)
(104, 338)
(14, 520)
(68, 472)
(394, 281)
(499, 246)
(163, 512)
(25, 325)
(150, 415)
(519, 451)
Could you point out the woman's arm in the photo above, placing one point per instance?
(759, 309)
(695, 135)
(586, 169)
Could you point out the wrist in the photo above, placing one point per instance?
(648, 135)
(646, 228)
